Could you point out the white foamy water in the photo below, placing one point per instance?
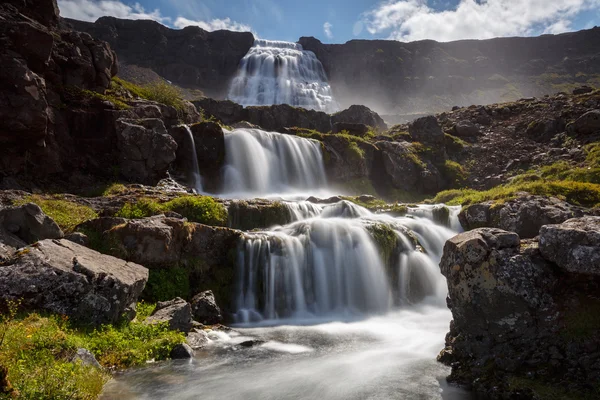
(196, 178)
(259, 163)
(275, 72)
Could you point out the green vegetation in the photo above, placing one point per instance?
(65, 213)
(36, 352)
(159, 91)
(454, 144)
(455, 173)
(584, 194)
(114, 189)
(84, 96)
(201, 209)
(168, 283)
(360, 186)
(386, 240)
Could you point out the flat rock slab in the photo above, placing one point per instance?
(65, 278)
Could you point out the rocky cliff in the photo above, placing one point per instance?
(401, 78)
(190, 57)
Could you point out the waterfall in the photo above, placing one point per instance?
(196, 177)
(330, 265)
(259, 162)
(275, 72)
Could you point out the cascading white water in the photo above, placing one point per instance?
(275, 72)
(329, 266)
(259, 162)
(195, 173)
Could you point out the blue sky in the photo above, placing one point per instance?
(337, 21)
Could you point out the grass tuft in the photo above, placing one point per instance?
(66, 214)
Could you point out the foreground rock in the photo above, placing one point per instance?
(65, 278)
(177, 313)
(519, 315)
(26, 224)
(524, 215)
(205, 308)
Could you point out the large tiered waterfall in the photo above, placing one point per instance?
(341, 303)
(275, 72)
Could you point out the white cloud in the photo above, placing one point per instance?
(89, 10)
(213, 25)
(409, 20)
(327, 29)
(357, 28)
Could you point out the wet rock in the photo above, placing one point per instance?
(85, 357)
(248, 215)
(145, 150)
(65, 278)
(251, 343)
(177, 313)
(588, 123)
(197, 339)
(182, 351)
(573, 245)
(29, 223)
(205, 308)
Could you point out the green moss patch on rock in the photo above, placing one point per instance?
(67, 214)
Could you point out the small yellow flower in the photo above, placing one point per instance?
(28, 336)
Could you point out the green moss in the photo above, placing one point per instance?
(201, 209)
(455, 174)
(159, 91)
(65, 213)
(37, 351)
(402, 136)
(453, 144)
(168, 283)
(87, 95)
(359, 186)
(114, 189)
(386, 240)
(584, 194)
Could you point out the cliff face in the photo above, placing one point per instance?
(427, 76)
(190, 57)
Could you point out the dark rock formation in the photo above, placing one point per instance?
(177, 313)
(524, 215)
(517, 314)
(466, 129)
(205, 308)
(27, 224)
(248, 215)
(360, 115)
(189, 57)
(588, 123)
(394, 77)
(359, 130)
(182, 351)
(65, 278)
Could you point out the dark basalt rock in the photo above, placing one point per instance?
(177, 313)
(205, 308)
(358, 114)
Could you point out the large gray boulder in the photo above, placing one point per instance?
(588, 122)
(65, 278)
(177, 313)
(28, 223)
(145, 150)
(466, 129)
(205, 308)
(573, 245)
(358, 114)
(524, 215)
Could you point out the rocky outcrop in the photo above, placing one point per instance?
(588, 123)
(205, 309)
(394, 77)
(189, 57)
(65, 278)
(573, 245)
(523, 312)
(160, 243)
(26, 224)
(257, 214)
(466, 129)
(360, 130)
(146, 150)
(177, 313)
(524, 215)
(358, 114)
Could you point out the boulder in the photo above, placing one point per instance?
(248, 215)
(358, 114)
(466, 129)
(182, 351)
(62, 277)
(85, 357)
(280, 116)
(177, 313)
(524, 215)
(359, 130)
(145, 150)
(29, 223)
(79, 238)
(205, 308)
(426, 130)
(197, 339)
(582, 90)
(343, 162)
(588, 123)
(573, 245)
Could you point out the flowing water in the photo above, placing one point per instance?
(275, 72)
(196, 178)
(341, 303)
